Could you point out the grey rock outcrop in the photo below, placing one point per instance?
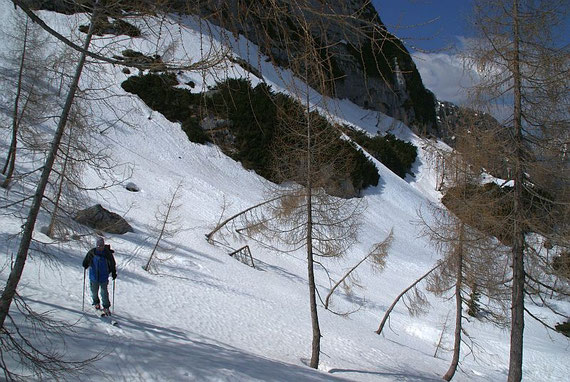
(484, 129)
(101, 219)
(132, 187)
(378, 76)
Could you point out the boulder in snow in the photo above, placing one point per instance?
(132, 187)
(99, 218)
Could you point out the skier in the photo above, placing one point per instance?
(102, 264)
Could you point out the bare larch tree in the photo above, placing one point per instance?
(524, 66)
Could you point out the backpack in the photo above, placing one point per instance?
(99, 270)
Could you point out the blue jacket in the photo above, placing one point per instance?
(100, 264)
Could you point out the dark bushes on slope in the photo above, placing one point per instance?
(397, 155)
(253, 118)
(177, 105)
(253, 114)
(563, 328)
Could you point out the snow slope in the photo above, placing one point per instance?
(203, 316)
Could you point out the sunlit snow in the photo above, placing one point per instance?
(202, 315)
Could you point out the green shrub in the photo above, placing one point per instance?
(123, 27)
(253, 115)
(563, 328)
(159, 93)
(397, 155)
(365, 172)
(116, 27)
(194, 132)
(129, 53)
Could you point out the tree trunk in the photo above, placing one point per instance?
(222, 224)
(327, 299)
(53, 220)
(517, 307)
(18, 268)
(8, 169)
(162, 229)
(316, 343)
(458, 311)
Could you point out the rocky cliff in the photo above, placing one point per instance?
(357, 56)
(362, 61)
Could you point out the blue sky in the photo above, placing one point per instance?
(430, 25)
(432, 31)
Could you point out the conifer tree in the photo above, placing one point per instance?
(524, 66)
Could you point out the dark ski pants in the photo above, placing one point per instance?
(94, 285)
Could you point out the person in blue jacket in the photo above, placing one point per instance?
(101, 264)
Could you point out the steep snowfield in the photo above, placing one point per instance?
(203, 315)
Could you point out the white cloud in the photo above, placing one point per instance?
(449, 79)
(444, 74)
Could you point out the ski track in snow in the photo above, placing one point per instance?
(202, 315)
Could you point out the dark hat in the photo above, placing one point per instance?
(100, 241)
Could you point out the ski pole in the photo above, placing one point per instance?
(83, 302)
(113, 306)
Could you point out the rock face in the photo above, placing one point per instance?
(481, 129)
(99, 218)
(365, 63)
(453, 119)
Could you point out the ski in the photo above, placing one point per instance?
(107, 318)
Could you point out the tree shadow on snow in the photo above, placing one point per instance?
(397, 375)
(263, 266)
(137, 350)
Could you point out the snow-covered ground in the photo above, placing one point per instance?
(202, 315)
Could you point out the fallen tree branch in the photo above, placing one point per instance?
(222, 224)
(379, 250)
(387, 314)
(540, 320)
